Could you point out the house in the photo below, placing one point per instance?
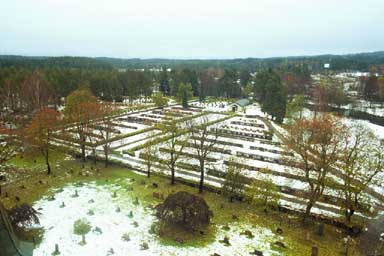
(239, 105)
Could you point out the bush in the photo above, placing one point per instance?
(184, 209)
(82, 227)
(23, 215)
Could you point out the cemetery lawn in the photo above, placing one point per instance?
(66, 170)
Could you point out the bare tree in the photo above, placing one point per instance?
(150, 155)
(35, 91)
(361, 161)
(203, 144)
(105, 127)
(8, 146)
(9, 95)
(174, 145)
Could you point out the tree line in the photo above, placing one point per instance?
(362, 62)
(24, 90)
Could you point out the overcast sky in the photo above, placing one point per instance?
(190, 28)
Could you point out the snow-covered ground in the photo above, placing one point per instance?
(219, 106)
(109, 225)
(377, 129)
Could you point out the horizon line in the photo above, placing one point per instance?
(189, 59)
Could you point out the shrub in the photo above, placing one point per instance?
(184, 209)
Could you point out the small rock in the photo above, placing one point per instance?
(62, 205)
(135, 224)
(56, 252)
(257, 253)
(280, 244)
(126, 237)
(144, 246)
(225, 241)
(247, 233)
(91, 201)
(76, 194)
(130, 215)
(110, 251)
(279, 231)
(97, 231)
(90, 213)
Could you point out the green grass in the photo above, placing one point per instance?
(295, 235)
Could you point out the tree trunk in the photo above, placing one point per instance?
(47, 162)
(348, 216)
(82, 146)
(83, 151)
(201, 185)
(308, 210)
(148, 171)
(94, 156)
(106, 156)
(173, 174)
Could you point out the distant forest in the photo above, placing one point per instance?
(30, 83)
(348, 62)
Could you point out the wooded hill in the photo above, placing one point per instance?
(360, 61)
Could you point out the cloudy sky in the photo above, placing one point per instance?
(190, 29)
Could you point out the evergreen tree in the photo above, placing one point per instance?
(228, 84)
(275, 99)
(164, 82)
(184, 94)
